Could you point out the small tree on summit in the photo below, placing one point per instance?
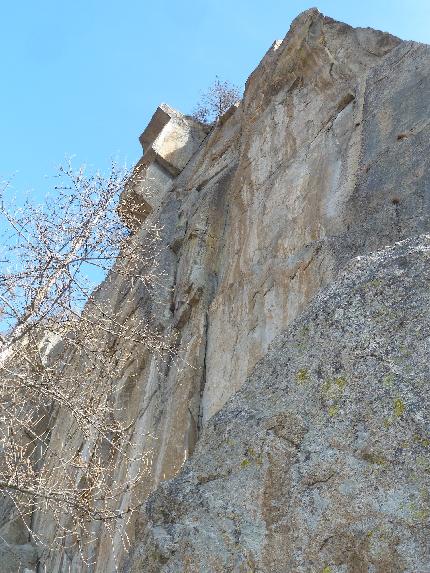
(219, 97)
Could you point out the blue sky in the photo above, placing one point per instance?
(83, 78)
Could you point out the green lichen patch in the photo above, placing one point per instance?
(418, 511)
(340, 382)
(375, 283)
(302, 376)
(333, 410)
(421, 440)
(334, 388)
(304, 330)
(374, 458)
(251, 457)
(332, 391)
(423, 463)
(399, 407)
(388, 380)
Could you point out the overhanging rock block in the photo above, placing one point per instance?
(169, 141)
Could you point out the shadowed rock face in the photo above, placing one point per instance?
(321, 461)
(326, 158)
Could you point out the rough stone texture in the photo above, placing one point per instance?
(17, 558)
(321, 461)
(168, 143)
(17, 554)
(326, 158)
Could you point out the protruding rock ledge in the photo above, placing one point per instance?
(168, 142)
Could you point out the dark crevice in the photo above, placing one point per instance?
(203, 378)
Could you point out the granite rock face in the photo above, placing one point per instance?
(325, 159)
(17, 553)
(321, 461)
(168, 143)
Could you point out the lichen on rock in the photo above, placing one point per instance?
(294, 417)
(348, 493)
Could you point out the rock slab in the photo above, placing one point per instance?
(321, 462)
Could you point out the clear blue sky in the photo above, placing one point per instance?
(83, 77)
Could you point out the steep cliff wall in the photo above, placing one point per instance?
(320, 463)
(326, 158)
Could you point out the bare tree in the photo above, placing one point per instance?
(219, 97)
(52, 361)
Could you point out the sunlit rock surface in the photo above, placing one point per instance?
(319, 463)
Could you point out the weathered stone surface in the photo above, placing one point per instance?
(321, 461)
(326, 158)
(17, 554)
(18, 558)
(168, 143)
(298, 166)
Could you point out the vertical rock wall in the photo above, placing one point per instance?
(326, 158)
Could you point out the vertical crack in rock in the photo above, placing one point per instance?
(203, 377)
